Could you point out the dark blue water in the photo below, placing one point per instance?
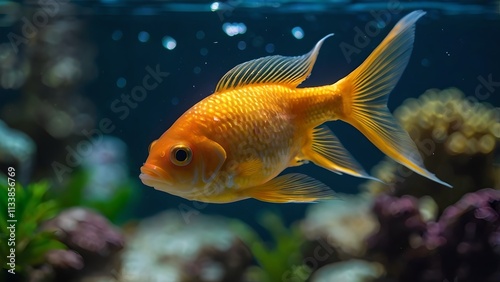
(456, 45)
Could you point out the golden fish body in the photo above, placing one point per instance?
(233, 144)
(260, 129)
(256, 127)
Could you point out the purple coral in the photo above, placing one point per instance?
(398, 244)
(92, 240)
(467, 238)
(462, 246)
(399, 220)
(86, 231)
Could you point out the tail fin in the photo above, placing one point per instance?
(367, 89)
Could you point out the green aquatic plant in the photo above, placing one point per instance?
(282, 259)
(23, 210)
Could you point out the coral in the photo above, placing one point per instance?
(349, 271)
(461, 125)
(65, 259)
(462, 245)
(428, 208)
(170, 247)
(457, 138)
(400, 236)
(343, 224)
(93, 246)
(83, 230)
(467, 238)
(43, 233)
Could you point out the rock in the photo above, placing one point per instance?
(167, 248)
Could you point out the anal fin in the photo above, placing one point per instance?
(289, 188)
(325, 150)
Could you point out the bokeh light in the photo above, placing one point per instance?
(269, 48)
(242, 45)
(215, 6)
(143, 36)
(297, 32)
(200, 34)
(117, 35)
(168, 42)
(233, 29)
(121, 82)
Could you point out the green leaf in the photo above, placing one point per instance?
(283, 255)
(72, 195)
(32, 208)
(112, 208)
(35, 252)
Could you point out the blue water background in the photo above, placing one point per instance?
(453, 47)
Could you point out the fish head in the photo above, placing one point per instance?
(182, 166)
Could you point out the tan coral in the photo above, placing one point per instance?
(457, 137)
(350, 271)
(183, 246)
(464, 125)
(345, 224)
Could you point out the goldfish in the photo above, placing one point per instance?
(235, 143)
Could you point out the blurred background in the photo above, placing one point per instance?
(76, 121)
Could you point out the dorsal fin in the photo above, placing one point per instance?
(288, 71)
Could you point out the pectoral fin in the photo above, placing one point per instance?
(325, 150)
(293, 187)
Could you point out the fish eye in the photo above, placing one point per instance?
(151, 145)
(180, 155)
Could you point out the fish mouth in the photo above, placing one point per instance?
(152, 175)
(156, 177)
